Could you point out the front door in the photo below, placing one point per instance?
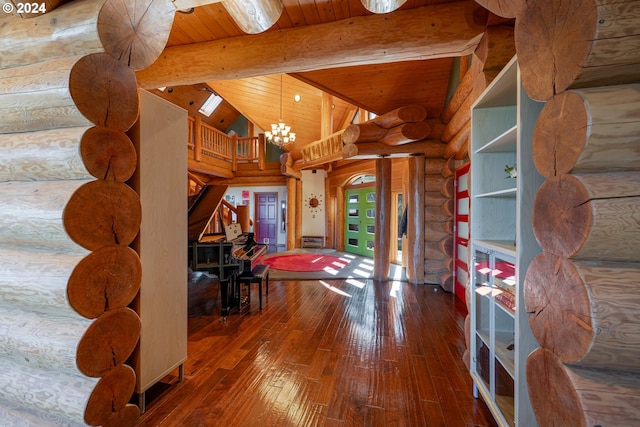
(266, 227)
(360, 221)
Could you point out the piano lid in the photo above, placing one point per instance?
(202, 209)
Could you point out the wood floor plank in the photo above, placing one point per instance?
(425, 387)
(375, 417)
(358, 396)
(385, 354)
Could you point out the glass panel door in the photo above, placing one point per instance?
(360, 221)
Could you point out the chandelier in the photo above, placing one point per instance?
(280, 133)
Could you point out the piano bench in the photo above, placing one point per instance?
(259, 273)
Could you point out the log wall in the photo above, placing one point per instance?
(581, 292)
(494, 51)
(67, 274)
(438, 254)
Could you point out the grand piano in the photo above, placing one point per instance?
(225, 255)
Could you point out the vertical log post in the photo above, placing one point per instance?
(381, 254)
(291, 213)
(415, 220)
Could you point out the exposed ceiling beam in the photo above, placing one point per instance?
(430, 32)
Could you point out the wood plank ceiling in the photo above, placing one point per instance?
(377, 88)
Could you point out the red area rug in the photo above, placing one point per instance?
(305, 262)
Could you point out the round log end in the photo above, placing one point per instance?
(111, 396)
(450, 167)
(448, 207)
(553, 44)
(562, 216)
(349, 150)
(136, 32)
(416, 131)
(351, 134)
(503, 8)
(448, 187)
(446, 281)
(559, 307)
(417, 113)
(447, 226)
(463, 152)
(554, 399)
(108, 342)
(560, 134)
(103, 213)
(108, 154)
(106, 279)
(105, 91)
(126, 417)
(446, 245)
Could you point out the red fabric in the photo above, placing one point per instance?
(503, 269)
(305, 262)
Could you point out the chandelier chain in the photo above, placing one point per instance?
(280, 133)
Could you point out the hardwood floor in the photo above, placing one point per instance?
(326, 353)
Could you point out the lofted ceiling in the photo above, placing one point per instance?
(378, 88)
(259, 100)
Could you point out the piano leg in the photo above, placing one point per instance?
(225, 286)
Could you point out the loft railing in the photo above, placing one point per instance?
(209, 145)
(319, 151)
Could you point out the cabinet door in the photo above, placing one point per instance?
(494, 326)
(481, 283)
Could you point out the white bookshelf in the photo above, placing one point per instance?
(503, 245)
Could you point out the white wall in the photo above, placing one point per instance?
(314, 221)
(236, 193)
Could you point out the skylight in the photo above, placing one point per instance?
(210, 104)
